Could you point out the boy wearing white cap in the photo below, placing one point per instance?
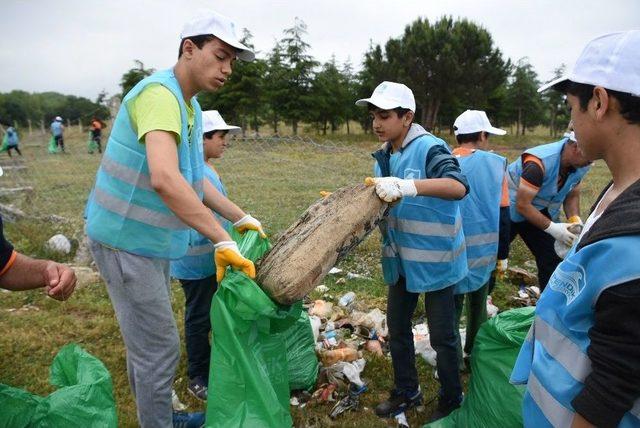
(423, 244)
(541, 181)
(149, 192)
(485, 218)
(197, 271)
(57, 130)
(581, 359)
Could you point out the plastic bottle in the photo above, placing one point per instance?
(347, 299)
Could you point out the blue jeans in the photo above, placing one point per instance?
(198, 294)
(441, 319)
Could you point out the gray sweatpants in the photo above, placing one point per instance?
(140, 294)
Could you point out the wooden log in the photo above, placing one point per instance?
(320, 238)
(11, 213)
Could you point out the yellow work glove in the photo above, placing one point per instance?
(227, 254)
(249, 223)
(325, 193)
(501, 268)
(575, 219)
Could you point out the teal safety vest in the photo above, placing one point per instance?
(123, 211)
(198, 263)
(56, 128)
(422, 236)
(553, 360)
(481, 216)
(549, 196)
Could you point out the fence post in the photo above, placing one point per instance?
(30, 128)
(42, 126)
(80, 125)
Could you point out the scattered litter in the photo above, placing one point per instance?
(347, 299)
(527, 296)
(352, 275)
(373, 319)
(294, 401)
(492, 310)
(59, 243)
(348, 403)
(374, 347)
(321, 309)
(322, 289)
(422, 343)
(335, 271)
(332, 356)
(24, 308)
(315, 326)
(401, 420)
(178, 406)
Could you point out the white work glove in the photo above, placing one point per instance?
(249, 223)
(560, 233)
(227, 254)
(390, 189)
(501, 268)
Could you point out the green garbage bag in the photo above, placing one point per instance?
(91, 144)
(301, 354)
(491, 401)
(84, 397)
(249, 374)
(5, 143)
(53, 147)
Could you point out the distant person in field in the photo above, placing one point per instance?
(485, 218)
(543, 181)
(150, 191)
(423, 247)
(581, 358)
(96, 132)
(197, 271)
(57, 130)
(12, 141)
(19, 272)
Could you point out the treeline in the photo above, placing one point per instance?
(451, 65)
(36, 109)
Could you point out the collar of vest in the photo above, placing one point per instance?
(620, 218)
(415, 131)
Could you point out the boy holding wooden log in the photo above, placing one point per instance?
(423, 249)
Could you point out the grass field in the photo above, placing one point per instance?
(275, 182)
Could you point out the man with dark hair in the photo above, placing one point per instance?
(422, 243)
(581, 359)
(541, 181)
(149, 192)
(485, 219)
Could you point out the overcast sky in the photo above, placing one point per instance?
(81, 47)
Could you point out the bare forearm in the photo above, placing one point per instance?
(572, 205)
(444, 188)
(25, 274)
(221, 204)
(532, 215)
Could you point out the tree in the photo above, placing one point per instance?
(524, 102)
(329, 97)
(554, 103)
(133, 76)
(276, 90)
(375, 69)
(299, 74)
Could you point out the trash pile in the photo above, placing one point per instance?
(344, 330)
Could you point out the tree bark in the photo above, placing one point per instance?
(320, 238)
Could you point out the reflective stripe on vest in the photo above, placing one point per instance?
(553, 360)
(123, 210)
(480, 212)
(549, 196)
(422, 236)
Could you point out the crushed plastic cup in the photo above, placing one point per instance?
(347, 299)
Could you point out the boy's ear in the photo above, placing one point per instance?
(602, 101)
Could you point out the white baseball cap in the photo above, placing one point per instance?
(390, 95)
(472, 121)
(219, 26)
(611, 61)
(213, 121)
(58, 118)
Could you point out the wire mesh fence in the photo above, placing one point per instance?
(274, 178)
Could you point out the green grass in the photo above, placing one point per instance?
(275, 182)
